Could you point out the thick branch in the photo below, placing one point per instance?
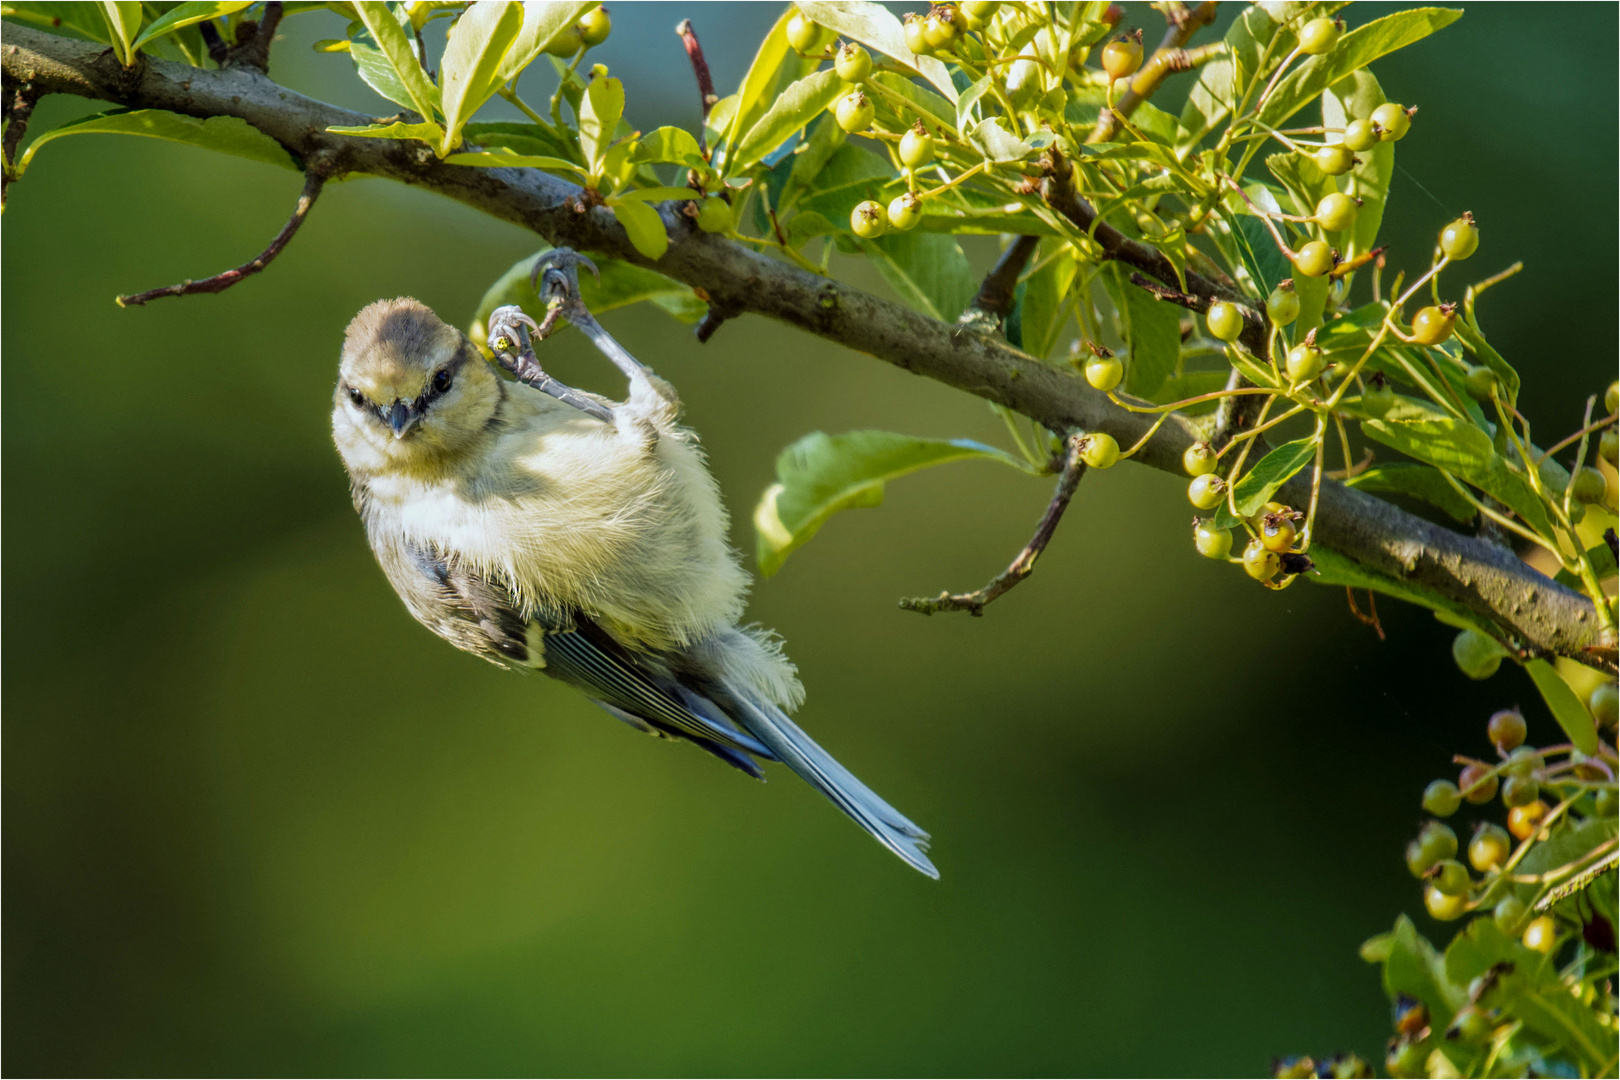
(1477, 575)
(313, 182)
(1024, 565)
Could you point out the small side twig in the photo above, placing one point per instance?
(252, 49)
(995, 297)
(1167, 59)
(974, 602)
(314, 180)
(1174, 296)
(18, 108)
(218, 51)
(700, 70)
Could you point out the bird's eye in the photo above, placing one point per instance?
(441, 380)
(357, 398)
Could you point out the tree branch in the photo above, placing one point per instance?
(313, 182)
(1166, 60)
(994, 300)
(1024, 564)
(700, 71)
(1489, 582)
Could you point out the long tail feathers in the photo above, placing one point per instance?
(800, 753)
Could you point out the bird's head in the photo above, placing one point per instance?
(412, 390)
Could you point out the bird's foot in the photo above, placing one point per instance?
(510, 340)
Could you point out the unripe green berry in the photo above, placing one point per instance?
(1460, 239)
(805, 35)
(1604, 703)
(979, 10)
(1450, 877)
(1360, 135)
(1099, 450)
(1477, 784)
(1206, 492)
(905, 210)
(916, 37)
(1318, 36)
(916, 147)
(1519, 791)
(1605, 803)
(1259, 561)
(1104, 372)
(1611, 398)
(1305, 363)
(1277, 533)
(1334, 160)
(595, 26)
(939, 27)
(714, 215)
(1507, 729)
(1225, 321)
(1481, 382)
(1199, 459)
(1490, 847)
(568, 41)
(1442, 906)
(1589, 486)
(1378, 398)
(1212, 543)
(1440, 798)
(1282, 306)
(1314, 259)
(1609, 446)
(869, 220)
(1407, 1058)
(853, 64)
(854, 112)
(1336, 212)
(1509, 915)
(1392, 121)
(1121, 58)
(1433, 325)
(1476, 655)
(1437, 841)
(1541, 935)
(1470, 1027)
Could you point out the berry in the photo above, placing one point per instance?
(1314, 259)
(1441, 799)
(980, 10)
(1104, 372)
(568, 41)
(1509, 915)
(1490, 847)
(1360, 135)
(1460, 239)
(1611, 398)
(1392, 121)
(1524, 821)
(1604, 704)
(868, 220)
(1282, 306)
(1207, 491)
(916, 37)
(1442, 906)
(854, 112)
(1199, 459)
(940, 26)
(1335, 160)
(1609, 446)
(1589, 487)
(1450, 877)
(1477, 655)
(1336, 212)
(1099, 450)
(1277, 534)
(1225, 321)
(1318, 36)
(1506, 729)
(595, 26)
(1407, 1058)
(1435, 843)
(1525, 763)
(805, 35)
(1121, 58)
(905, 211)
(1305, 363)
(1432, 325)
(1605, 803)
(1519, 791)
(853, 64)
(1212, 543)
(1477, 784)
(714, 215)
(1378, 398)
(1541, 935)
(916, 147)
(1480, 382)
(1259, 561)
(1470, 1026)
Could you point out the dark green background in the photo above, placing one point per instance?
(257, 820)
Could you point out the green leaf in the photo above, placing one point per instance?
(928, 270)
(932, 107)
(469, 73)
(645, 228)
(1481, 349)
(374, 68)
(992, 139)
(1256, 487)
(1603, 565)
(1221, 80)
(620, 285)
(653, 194)
(1043, 309)
(599, 118)
(1351, 98)
(1566, 708)
(226, 134)
(1333, 568)
(822, 474)
(1151, 329)
(491, 159)
(1464, 451)
(123, 24)
(542, 22)
(801, 103)
(1414, 968)
(428, 133)
(970, 97)
(1355, 50)
(397, 50)
(1419, 482)
(78, 18)
(530, 140)
(182, 15)
(750, 100)
(669, 146)
(873, 25)
(807, 224)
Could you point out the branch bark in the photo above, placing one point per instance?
(1481, 577)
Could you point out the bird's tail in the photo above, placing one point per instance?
(771, 726)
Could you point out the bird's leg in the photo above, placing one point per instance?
(509, 340)
(556, 280)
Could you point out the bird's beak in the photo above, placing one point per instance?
(401, 418)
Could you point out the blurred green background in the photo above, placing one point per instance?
(257, 820)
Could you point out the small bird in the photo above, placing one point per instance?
(543, 527)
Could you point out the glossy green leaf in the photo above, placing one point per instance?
(1256, 487)
(1223, 79)
(80, 19)
(374, 68)
(599, 117)
(645, 227)
(1351, 98)
(970, 97)
(123, 19)
(182, 15)
(225, 134)
(530, 140)
(1567, 709)
(1151, 329)
(670, 146)
(490, 159)
(875, 26)
(469, 73)
(1415, 969)
(428, 133)
(1356, 49)
(822, 474)
(1482, 352)
(1419, 482)
(656, 194)
(1603, 566)
(992, 139)
(801, 103)
(928, 270)
(751, 99)
(396, 48)
(543, 20)
(935, 110)
(1043, 307)
(620, 285)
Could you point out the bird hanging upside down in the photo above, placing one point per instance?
(540, 526)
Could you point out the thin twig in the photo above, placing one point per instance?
(700, 69)
(253, 40)
(995, 296)
(218, 51)
(1183, 25)
(18, 109)
(1021, 567)
(313, 182)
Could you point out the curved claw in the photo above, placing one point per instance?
(566, 261)
(511, 324)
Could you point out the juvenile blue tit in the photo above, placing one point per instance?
(542, 527)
